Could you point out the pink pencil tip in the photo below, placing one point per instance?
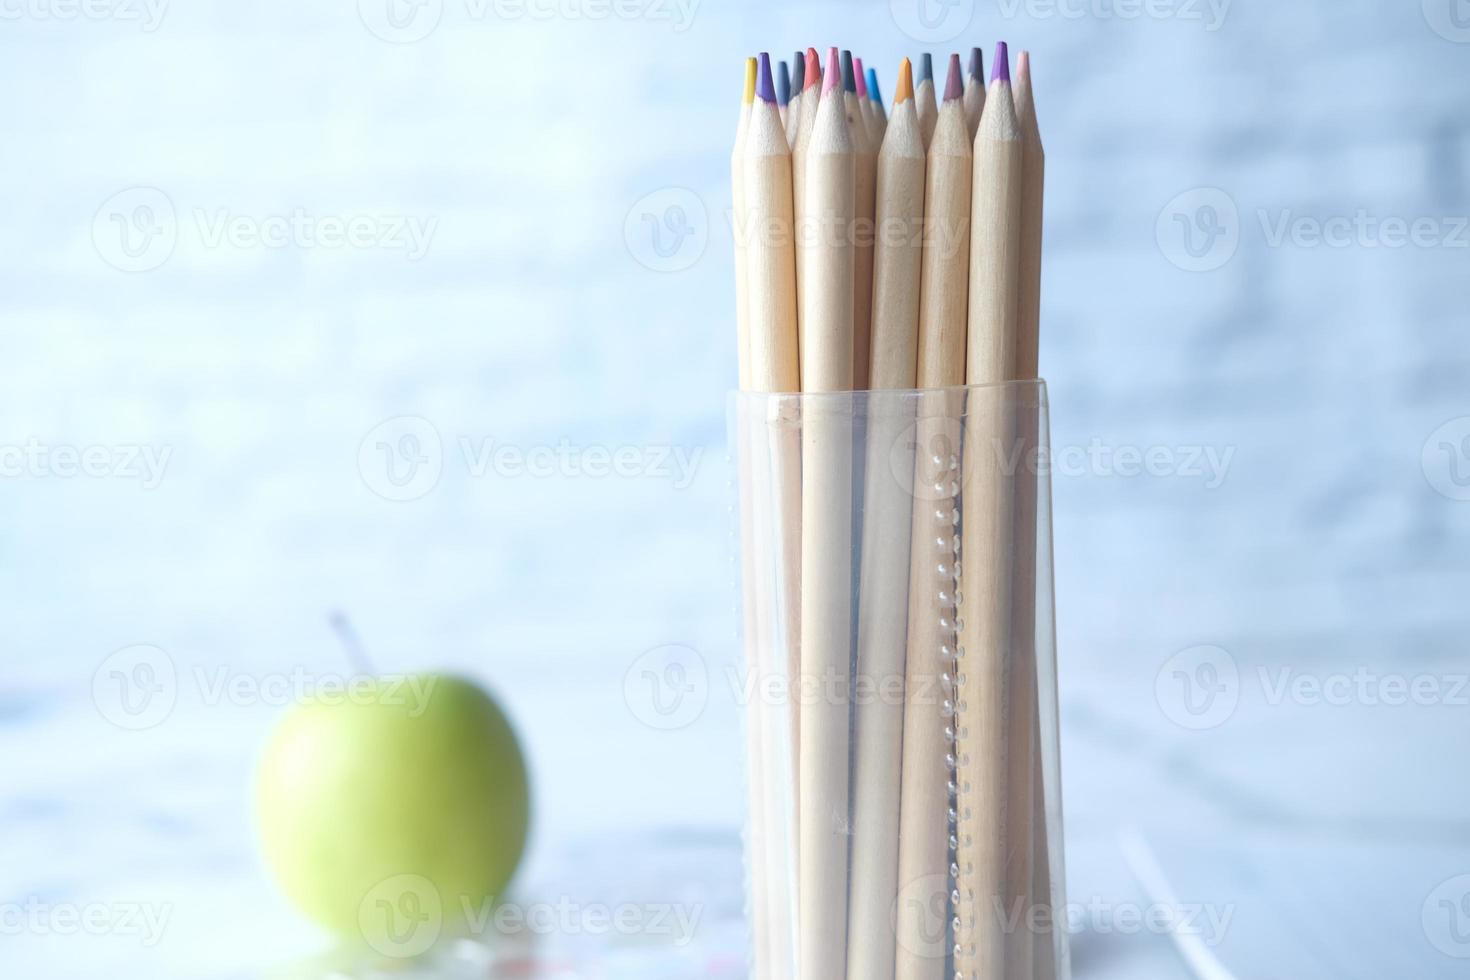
(813, 75)
(859, 79)
(1023, 64)
(954, 86)
(833, 76)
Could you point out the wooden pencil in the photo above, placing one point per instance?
(985, 612)
(737, 224)
(826, 599)
(865, 151)
(878, 99)
(975, 91)
(928, 724)
(924, 98)
(887, 510)
(806, 232)
(783, 92)
(771, 275)
(1028, 335)
(897, 252)
(865, 101)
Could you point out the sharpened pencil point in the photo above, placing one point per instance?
(926, 68)
(1001, 70)
(798, 73)
(750, 64)
(860, 78)
(1023, 65)
(765, 88)
(977, 65)
(832, 78)
(813, 75)
(905, 89)
(873, 92)
(848, 85)
(954, 85)
(783, 83)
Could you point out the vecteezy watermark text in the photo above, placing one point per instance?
(402, 459)
(35, 459)
(139, 228)
(147, 14)
(410, 21)
(405, 915)
(136, 920)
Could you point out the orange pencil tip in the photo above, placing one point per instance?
(905, 89)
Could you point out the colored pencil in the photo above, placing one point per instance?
(924, 830)
(826, 543)
(883, 577)
(865, 150)
(986, 609)
(925, 98)
(1033, 181)
(798, 89)
(783, 92)
(877, 96)
(975, 91)
(899, 210)
(805, 230)
(737, 220)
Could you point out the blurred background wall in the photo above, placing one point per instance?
(290, 275)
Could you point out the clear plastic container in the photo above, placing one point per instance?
(904, 817)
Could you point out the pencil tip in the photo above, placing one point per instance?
(750, 67)
(813, 76)
(783, 83)
(873, 92)
(765, 87)
(904, 89)
(798, 67)
(848, 85)
(860, 78)
(832, 78)
(926, 68)
(977, 64)
(954, 85)
(1001, 70)
(1023, 66)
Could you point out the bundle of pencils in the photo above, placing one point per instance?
(895, 250)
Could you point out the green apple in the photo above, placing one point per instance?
(394, 809)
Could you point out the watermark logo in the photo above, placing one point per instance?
(136, 688)
(667, 230)
(1446, 917)
(136, 230)
(667, 688)
(401, 21)
(401, 459)
(402, 916)
(1198, 688)
(147, 14)
(1450, 19)
(921, 915)
(925, 459)
(932, 21)
(1446, 459)
(1199, 230)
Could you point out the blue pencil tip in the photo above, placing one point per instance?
(873, 86)
(926, 67)
(848, 83)
(765, 89)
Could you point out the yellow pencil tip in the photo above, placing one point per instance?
(905, 89)
(749, 80)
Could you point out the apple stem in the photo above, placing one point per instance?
(352, 643)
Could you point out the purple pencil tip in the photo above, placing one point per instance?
(954, 85)
(977, 63)
(765, 88)
(1001, 70)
